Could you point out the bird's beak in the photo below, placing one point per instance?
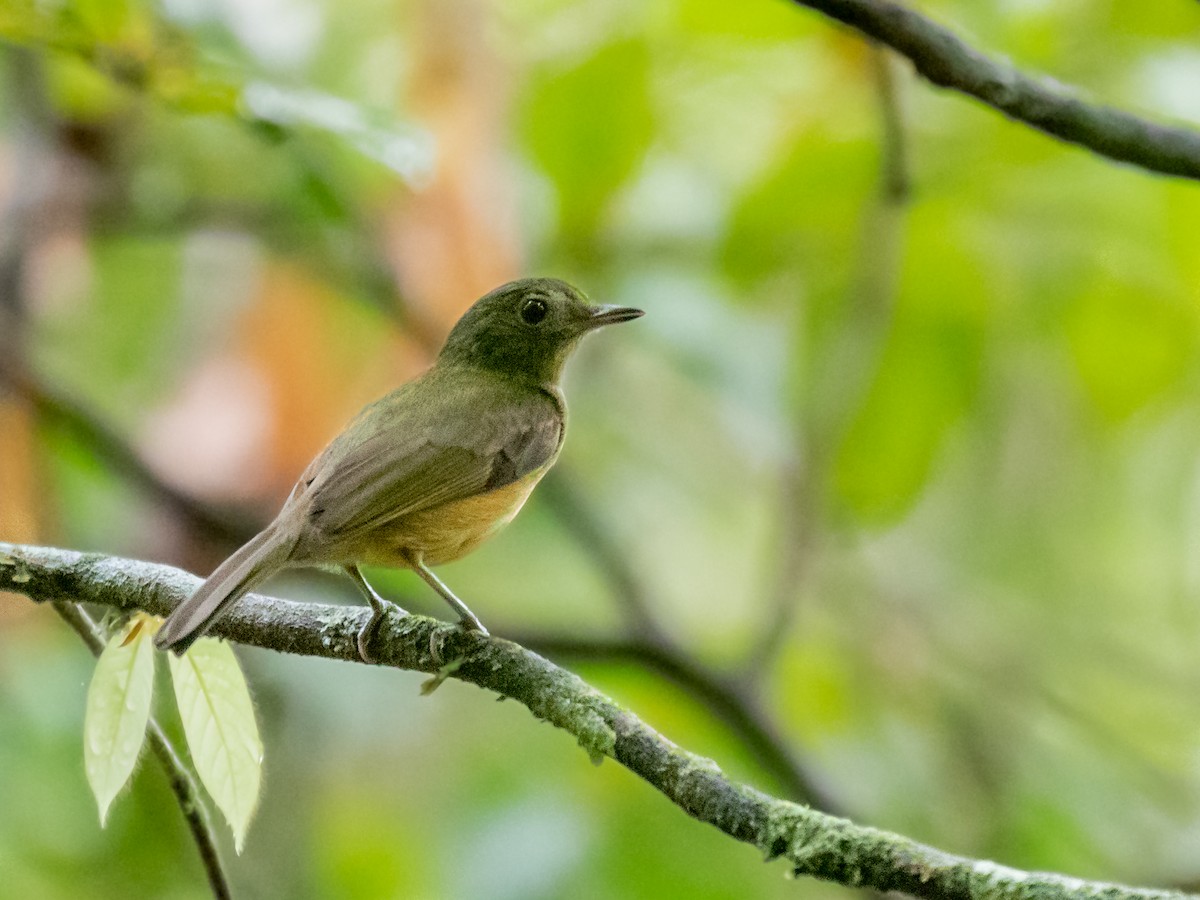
(610, 315)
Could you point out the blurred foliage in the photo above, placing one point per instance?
(986, 392)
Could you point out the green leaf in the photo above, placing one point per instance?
(132, 325)
(928, 370)
(589, 129)
(1130, 343)
(803, 213)
(218, 719)
(105, 19)
(118, 707)
(405, 149)
(754, 21)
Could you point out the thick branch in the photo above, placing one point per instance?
(733, 702)
(945, 60)
(813, 843)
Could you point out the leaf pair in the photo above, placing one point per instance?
(214, 706)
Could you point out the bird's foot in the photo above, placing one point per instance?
(371, 629)
(468, 624)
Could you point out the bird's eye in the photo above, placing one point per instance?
(533, 311)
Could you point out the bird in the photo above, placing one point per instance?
(425, 474)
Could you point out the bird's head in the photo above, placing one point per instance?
(527, 329)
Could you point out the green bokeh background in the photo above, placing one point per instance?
(968, 417)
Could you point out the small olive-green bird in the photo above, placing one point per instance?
(425, 474)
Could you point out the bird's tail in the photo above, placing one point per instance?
(261, 556)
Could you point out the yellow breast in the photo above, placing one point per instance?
(444, 533)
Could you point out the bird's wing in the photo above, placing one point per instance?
(418, 453)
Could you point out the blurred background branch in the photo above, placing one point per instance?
(840, 365)
(228, 528)
(947, 61)
(731, 701)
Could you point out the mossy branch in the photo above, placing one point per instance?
(811, 842)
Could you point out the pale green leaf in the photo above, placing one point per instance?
(118, 706)
(926, 377)
(1130, 343)
(218, 719)
(802, 213)
(588, 127)
(405, 149)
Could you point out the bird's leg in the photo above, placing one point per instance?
(378, 606)
(468, 619)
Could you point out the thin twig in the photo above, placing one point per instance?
(813, 843)
(947, 61)
(796, 546)
(840, 373)
(896, 177)
(27, 190)
(559, 492)
(183, 785)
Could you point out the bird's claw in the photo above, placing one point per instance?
(368, 632)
